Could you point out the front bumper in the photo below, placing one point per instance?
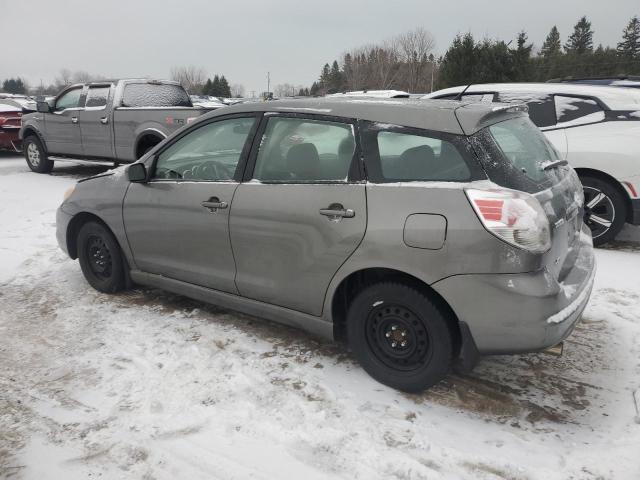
(525, 312)
(635, 211)
(62, 224)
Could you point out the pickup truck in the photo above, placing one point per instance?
(115, 121)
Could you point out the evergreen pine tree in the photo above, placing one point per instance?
(581, 40)
(552, 44)
(206, 90)
(215, 87)
(522, 58)
(225, 90)
(629, 47)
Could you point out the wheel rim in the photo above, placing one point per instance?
(99, 257)
(599, 212)
(33, 154)
(398, 337)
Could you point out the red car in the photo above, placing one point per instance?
(10, 123)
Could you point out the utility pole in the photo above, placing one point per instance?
(268, 83)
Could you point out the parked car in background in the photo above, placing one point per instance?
(206, 101)
(420, 232)
(24, 102)
(617, 81)
(115, 121)
(371, 94)
(10, 123)
(596, 129)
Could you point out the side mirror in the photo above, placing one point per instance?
(43, 107)
(137, 172)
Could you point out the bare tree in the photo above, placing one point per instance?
(284, 90)
(64, 78)
(191, 78)
(237, 90)
(415, 47)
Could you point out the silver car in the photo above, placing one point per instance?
(422, 233)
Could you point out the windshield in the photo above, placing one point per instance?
(515, 154)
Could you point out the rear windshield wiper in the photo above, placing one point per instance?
(555, 164)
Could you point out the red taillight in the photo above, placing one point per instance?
(515, 217)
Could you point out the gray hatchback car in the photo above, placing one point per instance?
(423, 233)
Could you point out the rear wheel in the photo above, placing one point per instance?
(399, 336)
(35, 155)
(100, 258)
(605, 210)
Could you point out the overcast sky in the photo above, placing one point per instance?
(243, 39)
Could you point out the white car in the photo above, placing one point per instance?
(371, 94)
(595, 128)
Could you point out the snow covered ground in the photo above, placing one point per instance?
(150, 385)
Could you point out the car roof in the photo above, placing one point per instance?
(457, 117)
(616, 98)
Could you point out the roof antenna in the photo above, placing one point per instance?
(459, 96)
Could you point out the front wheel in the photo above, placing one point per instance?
(605, 210)
(399, 336)
(100, 258)
(35, 155)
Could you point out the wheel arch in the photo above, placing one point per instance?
(359, 279)
(32, 131)
(591, 172)
(74, 227)
(146, 139)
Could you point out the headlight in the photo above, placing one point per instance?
(68, 193)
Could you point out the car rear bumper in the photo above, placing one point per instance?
(526, 312)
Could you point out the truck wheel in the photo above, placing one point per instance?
(399, 336)
(101, 258)
(35, 155)
(605, 210)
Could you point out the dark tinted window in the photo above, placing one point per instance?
(155, 95)
(578, 110)
(541, 108)
(409, 157)
(305, 150)
(97, 97)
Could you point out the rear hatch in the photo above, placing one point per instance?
(516, 155)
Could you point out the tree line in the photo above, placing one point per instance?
(193, 79)
(407, 62)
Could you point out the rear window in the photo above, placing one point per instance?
(515, 153)
(155, 95)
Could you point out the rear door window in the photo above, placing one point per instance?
(295, 150)
(97, 97)
(155, 95)
(577, 110)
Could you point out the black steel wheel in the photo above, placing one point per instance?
(605, 210)
(100, 258)
(400, 337)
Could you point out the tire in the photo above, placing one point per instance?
(100, 258)
(35, 155)
(605, 209)
(382, 317)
